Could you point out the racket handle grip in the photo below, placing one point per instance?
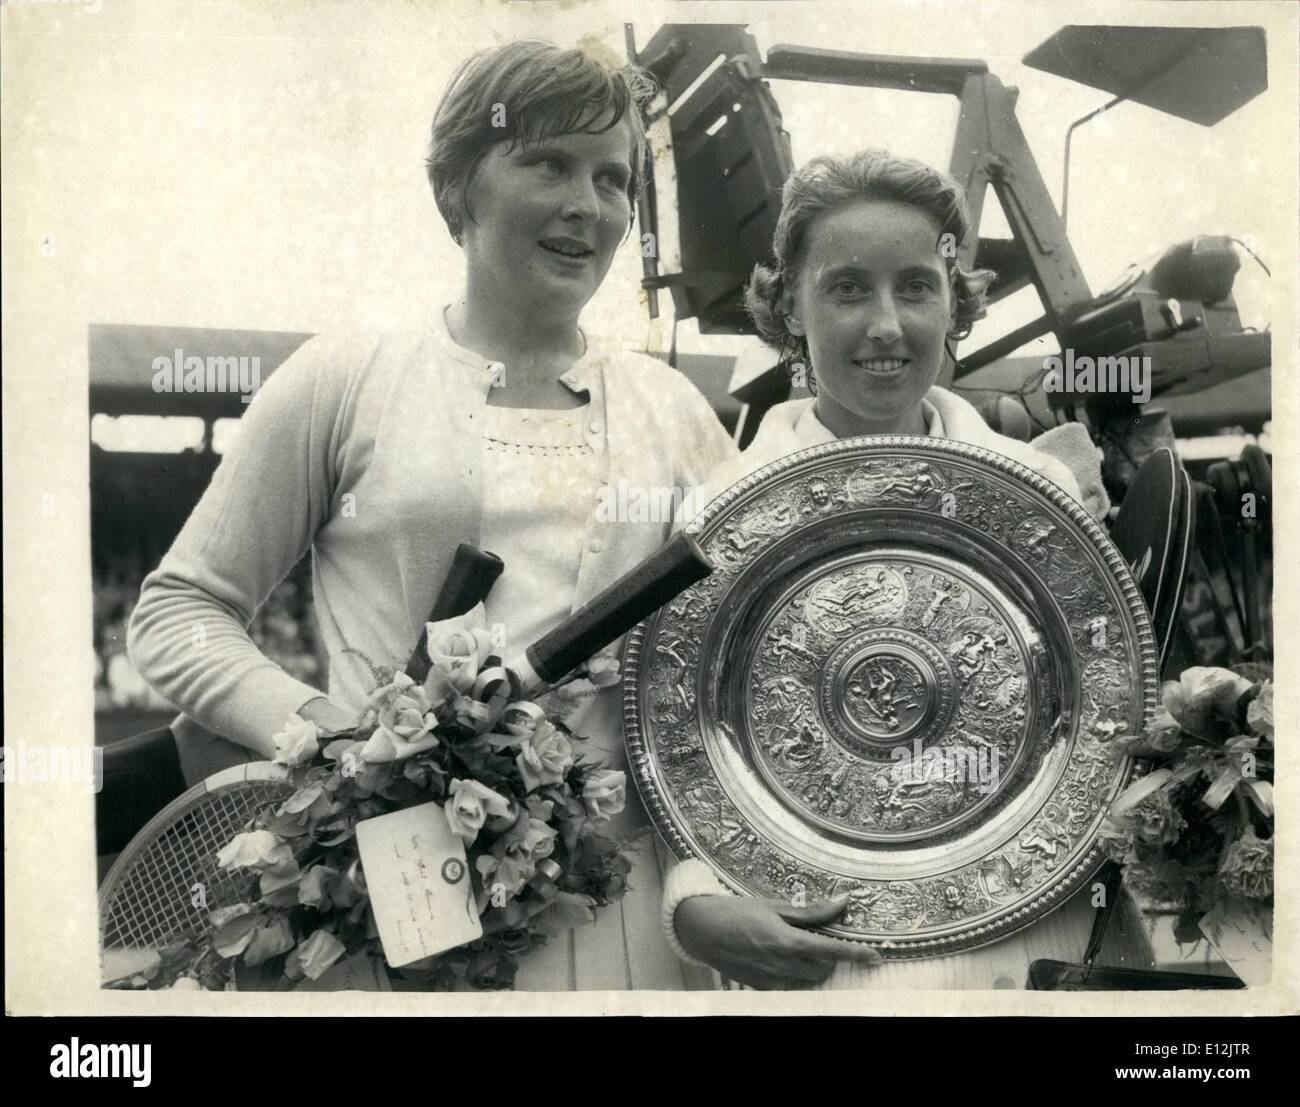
(631, 598)
(469, 580)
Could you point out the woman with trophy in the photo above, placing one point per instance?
(496, 426)
(865, 298)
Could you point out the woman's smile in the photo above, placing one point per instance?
(570, 249)
(887, 367)
(565, 266)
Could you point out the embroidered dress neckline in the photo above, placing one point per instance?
(540, 432)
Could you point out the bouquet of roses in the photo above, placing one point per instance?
(1197, 829)
(511, 781)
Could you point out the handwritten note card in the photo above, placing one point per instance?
(419, 883)
(1241, 931)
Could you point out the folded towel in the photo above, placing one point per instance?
(1071, 446)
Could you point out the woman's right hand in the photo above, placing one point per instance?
(762, 942)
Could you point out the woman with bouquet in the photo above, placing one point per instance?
(866, 293)
(497, 425)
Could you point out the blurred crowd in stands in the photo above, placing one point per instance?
(284, 629)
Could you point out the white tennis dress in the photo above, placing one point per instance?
(540, 478)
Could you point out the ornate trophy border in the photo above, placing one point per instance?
(1066, 882)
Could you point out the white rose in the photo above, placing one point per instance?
(1259, 714)
(544, 758)
(604, 793)
(529, 840)
(386, 745)
(255, 849)
(469, 805)
(1204, 701)
(297, 743)
(456, 647)
(602, 671)
(405, 717)
(521, 719)
(454, 654)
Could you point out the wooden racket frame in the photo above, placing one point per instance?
(190, 919)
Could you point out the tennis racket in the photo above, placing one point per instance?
(166, 883)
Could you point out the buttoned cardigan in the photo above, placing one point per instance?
(367, 451)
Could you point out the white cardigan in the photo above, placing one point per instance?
(367, 451)
(1064, 455)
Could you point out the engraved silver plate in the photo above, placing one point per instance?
(899, 683)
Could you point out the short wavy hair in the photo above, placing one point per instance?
(827, 183)
(538, 91)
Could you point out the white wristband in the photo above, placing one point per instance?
(689, 878)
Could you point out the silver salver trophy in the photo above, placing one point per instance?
(903, 681)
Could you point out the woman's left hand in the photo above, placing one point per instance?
(329, 717)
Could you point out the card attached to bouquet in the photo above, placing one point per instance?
(1241, 932)
(419, 883)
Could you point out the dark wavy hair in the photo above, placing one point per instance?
(541, 91)
(827, 183)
